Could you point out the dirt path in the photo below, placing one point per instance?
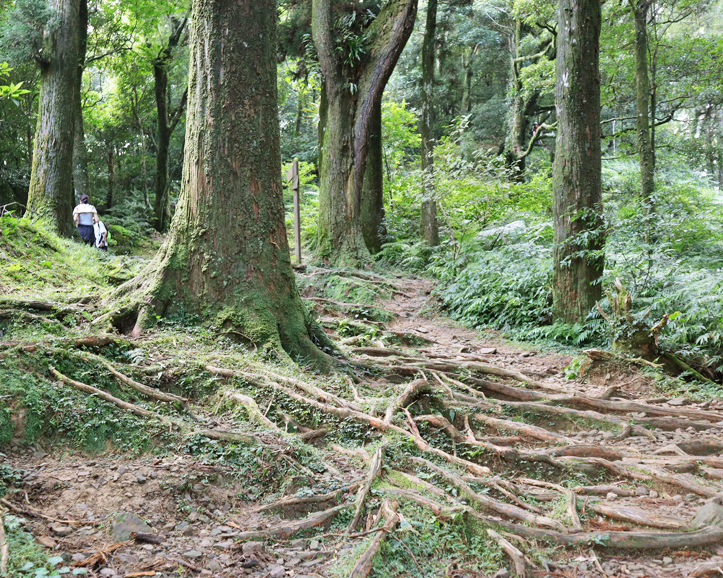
(535, 432)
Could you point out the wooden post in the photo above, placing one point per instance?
(293, 176)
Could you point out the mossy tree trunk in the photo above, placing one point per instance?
(167, 121)
(352, 93)
(429, 229)
(372, 198)
(80, 153)
(226, 257)
(51, 180)
(578, 258)
(640, 10)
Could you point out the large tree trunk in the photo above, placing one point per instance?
(578, 258)
(372, 199)
(166, 124)
(429, 229)
(642, 100)
(80, 153)
(51, 180)
(226, 256)
(346, 122)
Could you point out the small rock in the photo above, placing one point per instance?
(314, 545)
(46, 541)
(78, 557)
(691, 497)
(61, 530)
(678, 499)
(677, 401)
(193, 554)
(141, 479)
(642, 491)
(250, 547)
(653, 494)
(126, 523)
(298, 543)
(711, 514)
(611, 496)
(107, 572)
(667, 560)
(502, 573)
(276, 571)
(213, 566)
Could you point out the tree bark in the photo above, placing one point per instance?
(351, 95)
(429, 228)
(642, 99)
(51, 180)
(110, 162)
(226, 257)
(80, 153)
(372, 198)
(578, 259)
(166, 124)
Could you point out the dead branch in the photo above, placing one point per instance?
(28, 511)
(101, 556)
(603, 491)
(518, 558)
(387, 513)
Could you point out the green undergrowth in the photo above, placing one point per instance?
(28, 559)
(38, 263)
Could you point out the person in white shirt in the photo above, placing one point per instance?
(101, 235)
(85, 216)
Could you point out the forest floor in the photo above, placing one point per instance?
(436, 451)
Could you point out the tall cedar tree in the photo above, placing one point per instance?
(167, 121)
(226, 257)
(577, 189)
(350, 101)
(50, 197)
(428, 225)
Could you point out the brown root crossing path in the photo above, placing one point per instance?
(595, 477)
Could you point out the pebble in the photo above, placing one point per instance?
(678, 499)
(611, 496)
(214, 566)
(107, 572)
(141, 479)
(251, 547)
(193, 554)
(667, 560)
(653, 494)
(314, 545)
(642, 491)
(61, 530)
(276, 571)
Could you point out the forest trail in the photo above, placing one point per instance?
(461, 427)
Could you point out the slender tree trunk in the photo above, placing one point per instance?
(346, 121)
(467, 58)
(429, 228)
(372, 199)
(80, 153)
(162, 203)
(110, 161)
(51, 180)
(578, 259)
(226, 256)
(642, 90)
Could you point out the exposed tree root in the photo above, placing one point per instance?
(252, 410)
(216, 434)
(32, 512)
(413, 390)
(514, 512)
(517, 557)
(374, 469)
(284, 531)
(306, 501)
(636, 516)
(571, 499)
(387, 514)
(532, 431)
